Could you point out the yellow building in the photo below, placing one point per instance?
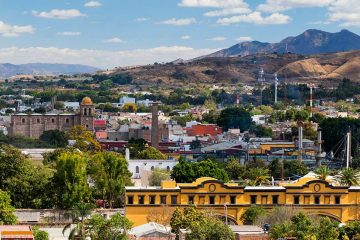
(314, 196)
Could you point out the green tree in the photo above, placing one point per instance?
(152, 153)
(79, 214)
(11, 161)
(70, 179)
(84, 139)
(109, 170)
(235, 170)
(129, 107)
(259, 176)
(7, 216)
(187, 172)
(157, 176)
(136, 146)
(280, 231)
(235, 117)
(195, 144)
(113, 229)
(251, 214)
(327, 230)
(55, 137)
(295, 168)
(302, 227)
(39, 234)
(210, 228)
(348, 177)
(323, 172)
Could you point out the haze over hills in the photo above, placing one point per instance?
(8, 69)
(311, 41)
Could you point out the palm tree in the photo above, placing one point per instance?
(259, 176)
(323, 172)
(348, 177)
(79, 213)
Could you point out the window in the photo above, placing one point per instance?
(130, 199)
(141, 199)
(232, 199)
(327, 200)
(264, 199)
(191, 200)
(174, 200)
(162, 199)
(38, 120)
(275, 199)
(137, 169)
(90, 112)
(152, 168)
(23, 120)
(52, 120)
(201, 200)
(253, 199)
(168, 168)
(152, 199)
(212, 199)
(337, 199)
(67, 120)
(296, 199)
(317, 199)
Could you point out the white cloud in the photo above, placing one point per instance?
(114, 40)
(7, 30)
(93, 4)
(99, 58)
(142, 19)
(59, 14)
(227, 11)
(244, 39)
(217, 39)
(283, 5)
(256, 18)
(185, 37)
(347, 12)
(213, 3)
(179, 22)
(68, 33)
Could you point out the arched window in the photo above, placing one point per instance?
(67, 120)
(168, 168)
(152, 168)
(38, 120)
(137, 169)
(53, 120)
(23, 120)
(90, 111)
(85, 111)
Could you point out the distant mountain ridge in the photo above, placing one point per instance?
(9, 70)
(311, 41)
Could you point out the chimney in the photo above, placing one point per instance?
(155, 125)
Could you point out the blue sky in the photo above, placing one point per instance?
(108, 33)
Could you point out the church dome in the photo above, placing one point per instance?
(86, 101)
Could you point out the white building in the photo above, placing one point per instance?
(125, 99)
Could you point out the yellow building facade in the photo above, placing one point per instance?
(311, 195)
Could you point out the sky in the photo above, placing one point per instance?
(111, 33)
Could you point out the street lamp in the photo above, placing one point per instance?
(226, 214)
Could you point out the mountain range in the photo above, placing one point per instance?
(311, 41)
(9, 70)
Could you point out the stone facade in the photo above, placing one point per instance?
(34, 125)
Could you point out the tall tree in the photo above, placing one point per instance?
(7, 216)
(70, 179)
(55, 137)
(110, 172)
(84, 139)
(113, 229)
(235, 117)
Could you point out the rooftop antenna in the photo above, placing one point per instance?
(261, 80)
(276, 87)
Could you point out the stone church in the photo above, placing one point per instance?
(33, 125)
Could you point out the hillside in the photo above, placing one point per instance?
(312, 41)
(296, 68)
(8, 70)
